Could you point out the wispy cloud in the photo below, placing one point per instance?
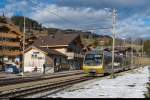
(71, 17)
(132, 15)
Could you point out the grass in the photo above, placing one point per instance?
(147, 94)
(112, 76)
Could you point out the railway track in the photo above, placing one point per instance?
(27, 91)
(49, 84)
(10, 81)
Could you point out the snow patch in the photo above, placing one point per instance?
(129, 85)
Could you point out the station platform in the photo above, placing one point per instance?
(32, 74)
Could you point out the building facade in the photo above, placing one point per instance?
(67, 44)
(10, 42)
(36, 57)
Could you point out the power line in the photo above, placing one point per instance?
(93, 22)
(98, 28)
(79, 26)
(62, 18)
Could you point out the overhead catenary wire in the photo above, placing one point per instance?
(77, 26)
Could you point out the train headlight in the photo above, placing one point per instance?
(101, 66)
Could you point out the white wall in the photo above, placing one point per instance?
(30, 62)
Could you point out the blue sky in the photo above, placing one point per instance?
(133, 16)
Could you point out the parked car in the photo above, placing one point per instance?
(11, 69)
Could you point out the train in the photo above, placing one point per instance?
(99, 62)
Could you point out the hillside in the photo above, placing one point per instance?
(35, 29)
(34, 25)
(30, 23)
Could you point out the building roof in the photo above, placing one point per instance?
(45, 50)
(56, 40)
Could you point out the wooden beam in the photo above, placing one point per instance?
(9, 53)
(8, 35)
(11, 44)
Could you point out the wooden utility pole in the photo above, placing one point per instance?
(131, 53)
(113, 45)
(142, 47)
(24, 31)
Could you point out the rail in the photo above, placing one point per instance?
(30, 89)
(11, 81)
(44, 86)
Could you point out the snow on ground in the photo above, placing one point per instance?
(129, 85)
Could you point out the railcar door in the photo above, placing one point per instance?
(107, 62)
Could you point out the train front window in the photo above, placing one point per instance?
(93, 60)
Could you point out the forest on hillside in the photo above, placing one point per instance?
(34, 25)
(30, 23)
(147, 47)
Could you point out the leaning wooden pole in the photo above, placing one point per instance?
(23, 49)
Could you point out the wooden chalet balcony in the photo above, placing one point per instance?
(10, 53)
(11, 26)
(11, 44)
(8, 35)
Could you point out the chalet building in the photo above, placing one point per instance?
(35, 57)
(10, 42)
(32, 35)
(29, 40)
(86, 49)
(67, 44)
(104, 40)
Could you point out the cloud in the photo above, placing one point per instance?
(133, 27)
(71, 17)
(126, 7)
(131, 14)
(103, 3)
(14, 7)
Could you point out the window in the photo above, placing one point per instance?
(34, 56)
(93, 59)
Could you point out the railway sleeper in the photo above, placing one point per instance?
(25, 91)
(22, 80)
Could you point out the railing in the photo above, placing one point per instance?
(11, 44)
(10, 53)
(8, 35)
